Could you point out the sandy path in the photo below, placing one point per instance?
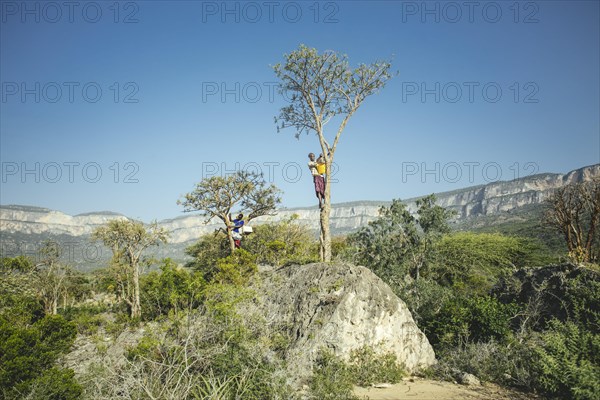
(424, 389)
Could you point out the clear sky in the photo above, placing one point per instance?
(125, 106)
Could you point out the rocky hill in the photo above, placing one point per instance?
(338, 307)
(22, 226)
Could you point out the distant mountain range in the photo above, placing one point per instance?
(23, 228)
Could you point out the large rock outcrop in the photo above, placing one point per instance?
(340, 307)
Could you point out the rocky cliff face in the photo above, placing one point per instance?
(494, 198)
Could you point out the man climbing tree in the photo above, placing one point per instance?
(217, 196)
(320, 87)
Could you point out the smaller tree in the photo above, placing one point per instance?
(51, 277)
(398, 243)
(433, 221)
(574, 210)
(386, 243)
(128, 240)
(243, 191)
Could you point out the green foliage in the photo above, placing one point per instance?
(53, 384)
(504, 363)
(475, 261)
(565, 292)
(523, 222)
(235, 269)
(171, 290)
(332, 378)
(206, 251)
(568, 362)
(221, 300)
(147, 347)
(397, 244)
(470, 319)
(433, 219)
(388, 242)
(368, 367)
(424, 298)
(28, 351)
(87, 318)
(582, 299)
(19, 264)
(284, 242)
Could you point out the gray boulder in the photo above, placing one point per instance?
(340, 307)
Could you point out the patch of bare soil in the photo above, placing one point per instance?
(425, 389)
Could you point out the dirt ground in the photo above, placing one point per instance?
(424, 389)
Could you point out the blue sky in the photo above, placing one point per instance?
(125, 107)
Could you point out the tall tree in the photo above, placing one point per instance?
(319, 88)
(242, 191)
(128, 240)
(574, 210)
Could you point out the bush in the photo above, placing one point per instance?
(235, 269)
(332, 378)
(171, 290)
(87, 318)
(464, 319)
(206, 252)
(423, 298)
(28, 352)
(198, 354)
(53, 384)
(475, 261)
(508, 364)
(284, 242)
(567, 362)
(367, 367)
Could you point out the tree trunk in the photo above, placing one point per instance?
(136, 307)
(231, 242)
(326, 242)
(229, 232)
(321, 240)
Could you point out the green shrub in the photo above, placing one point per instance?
(53, 384)
(507, 363)
(235, 269)
(283, 242)
(206, 252)
(27, 352)
(470, 319)
(423, 298)
(332, 378)
(474, 261)
(367, 367)
(171, 290)
(87, 318)
(567, 362)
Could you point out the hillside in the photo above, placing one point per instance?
(505, 206)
